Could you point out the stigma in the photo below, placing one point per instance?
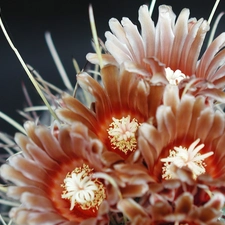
(122, 134)
(174, 77)
(181, 156)
(82, 190)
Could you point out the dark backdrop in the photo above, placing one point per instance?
(68, 21)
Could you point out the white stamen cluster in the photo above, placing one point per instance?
(174, 77)
(181, 156)
(122, 133)
(80, 188)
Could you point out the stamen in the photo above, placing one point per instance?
(174, 77)
(83, 190)
(181, 156)
(122, 134)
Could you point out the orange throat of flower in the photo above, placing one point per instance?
(122, 135)
(181, 157)
(82, 191)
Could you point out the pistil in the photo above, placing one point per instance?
(122, 134)
(174, 77)
(82, 190)
(181, 156)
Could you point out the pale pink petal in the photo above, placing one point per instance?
(15, 191)
(134, 39)
(29, 169)
(130, 208)
(209, 54)
(36, 203)
(50, 144)
(114, 42)
(164, 34)
(204, 124)
(147, 31)
(180, 33)
(17, 177)
(106, 59)
(189, 42)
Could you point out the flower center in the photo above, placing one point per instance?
(174, 77)
(122, 134)
(82, 190)
(181, 156)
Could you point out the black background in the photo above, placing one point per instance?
(68, 22)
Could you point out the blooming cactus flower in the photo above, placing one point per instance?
(174, 43)
(188, 133)
(150, 147)
(53, 177)
(121, 105)
(184, 154)
(182, 201)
